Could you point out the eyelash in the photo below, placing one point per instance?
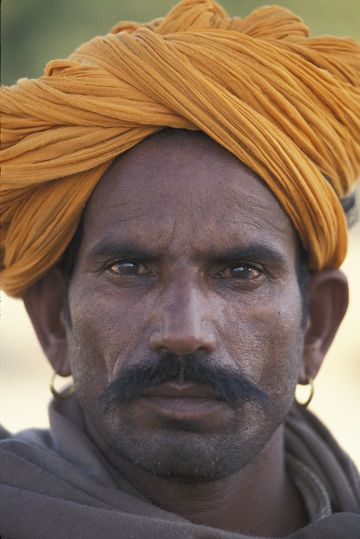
(136, 263)
(248, 266)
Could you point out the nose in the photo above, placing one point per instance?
(183, 324)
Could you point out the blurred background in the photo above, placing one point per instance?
(35, 31)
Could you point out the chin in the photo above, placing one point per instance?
(187, 456)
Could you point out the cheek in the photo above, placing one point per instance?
(263, 335)
(106, 327)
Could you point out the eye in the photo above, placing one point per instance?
(128, 267)
(243, 272)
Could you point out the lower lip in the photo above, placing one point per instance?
(185, 407)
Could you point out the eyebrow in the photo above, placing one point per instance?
(259, 252)
(129, 249)
(126, 249)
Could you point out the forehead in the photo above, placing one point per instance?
(182, 187)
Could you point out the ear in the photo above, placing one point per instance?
(328, 297)
(44, 303)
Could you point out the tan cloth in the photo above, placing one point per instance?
(286, 105)
(55, 484)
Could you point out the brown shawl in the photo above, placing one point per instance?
(54, 483)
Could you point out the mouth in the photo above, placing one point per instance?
(181, 390)
(183, 401)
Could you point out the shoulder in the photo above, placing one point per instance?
(32, 437)
(311, 443)
(4, 433)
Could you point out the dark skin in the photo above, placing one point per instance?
(186, 251)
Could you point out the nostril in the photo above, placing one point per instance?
(182, 344)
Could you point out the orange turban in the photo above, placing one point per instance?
(286, 105)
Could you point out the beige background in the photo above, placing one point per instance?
(25, 373)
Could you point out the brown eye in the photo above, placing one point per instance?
(127, 267)
(242, 272)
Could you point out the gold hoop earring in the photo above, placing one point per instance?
(61, 395)
(307, 401)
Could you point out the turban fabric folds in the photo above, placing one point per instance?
(286, 105)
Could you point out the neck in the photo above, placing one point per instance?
(258, 499)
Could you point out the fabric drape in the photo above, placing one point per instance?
(287, 105)
(57, 484)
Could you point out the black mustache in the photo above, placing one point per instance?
(228, 384)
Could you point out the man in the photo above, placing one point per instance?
(172, 219)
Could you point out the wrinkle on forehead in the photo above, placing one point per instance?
(181, 185)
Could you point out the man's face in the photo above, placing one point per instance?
(187, 266)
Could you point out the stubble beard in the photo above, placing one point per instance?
(191, 457)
